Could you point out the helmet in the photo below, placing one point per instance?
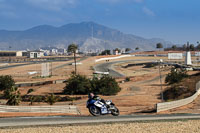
(90, 95)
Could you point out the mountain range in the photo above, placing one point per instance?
(89, 36)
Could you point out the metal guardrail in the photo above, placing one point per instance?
(39, 83)
(41, 109)
(174, 104)
(112, 58)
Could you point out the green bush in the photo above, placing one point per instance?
(106, 85)
(175, 76)
(6, 82)
(127, 79)
(51, 99)
(32, 99)
(150, 65)
(30, 90)
(95, 85)
(176, 92)
(77, 84)
(13, 96)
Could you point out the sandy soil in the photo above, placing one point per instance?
(139, 95)
(190, 126)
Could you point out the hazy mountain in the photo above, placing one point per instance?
(88, 35)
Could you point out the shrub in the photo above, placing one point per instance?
(13, 96)
(150, 65)
(95, 85)
(31, 99)
(30, 90)
(77, 84)
(6, 82)
(127, 79)
(175, 76)
(51, 99)
(67, 98)
(177, 92)
(106, 85)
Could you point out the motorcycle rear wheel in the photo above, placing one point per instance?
(115, 111)
(95, 111)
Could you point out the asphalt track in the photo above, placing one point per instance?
(74, 120)
(38, 62)
(107, 67)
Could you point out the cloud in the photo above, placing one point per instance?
(148, 11)
(55, 5)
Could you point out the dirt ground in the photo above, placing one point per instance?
(187, 126)
(139, 95)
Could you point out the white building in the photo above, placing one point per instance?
(62, 51)
(35, 54)
(53, 51)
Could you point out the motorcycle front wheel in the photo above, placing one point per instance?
(115, 111)
(94, 111)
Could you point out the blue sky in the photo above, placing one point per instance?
(173, 20)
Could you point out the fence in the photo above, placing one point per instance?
(174, 104)
(112, 58)
(37, 83)
(41, 109)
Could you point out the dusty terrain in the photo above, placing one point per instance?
(190, 126)
(139, 95)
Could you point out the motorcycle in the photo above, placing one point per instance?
(97, 107)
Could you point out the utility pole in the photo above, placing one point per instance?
(161, 81)
(9, 53)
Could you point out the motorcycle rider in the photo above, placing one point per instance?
(91, 96)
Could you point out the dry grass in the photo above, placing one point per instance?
(139, 94)
(190, 126)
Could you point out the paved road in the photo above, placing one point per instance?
(38, 62)
(67, 64)
(107, 67)
(65, 120)
(24, 64)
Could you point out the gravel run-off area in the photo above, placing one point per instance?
(185, 126)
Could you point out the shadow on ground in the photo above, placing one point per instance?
(148, 111)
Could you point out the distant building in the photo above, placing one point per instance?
(116, 51)
(53, 51)
(62, 51)
(123, 50)
(35, 54)
(11, 53)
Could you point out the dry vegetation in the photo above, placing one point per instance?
(190, 126)
(139, 95)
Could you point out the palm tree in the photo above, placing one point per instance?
(72, 48)
(159, 45)
(13, 96)
(137, 48)
(127, 49)
(174, 47)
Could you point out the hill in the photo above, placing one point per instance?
(88, 35)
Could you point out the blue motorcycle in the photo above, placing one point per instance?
(97, 107)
